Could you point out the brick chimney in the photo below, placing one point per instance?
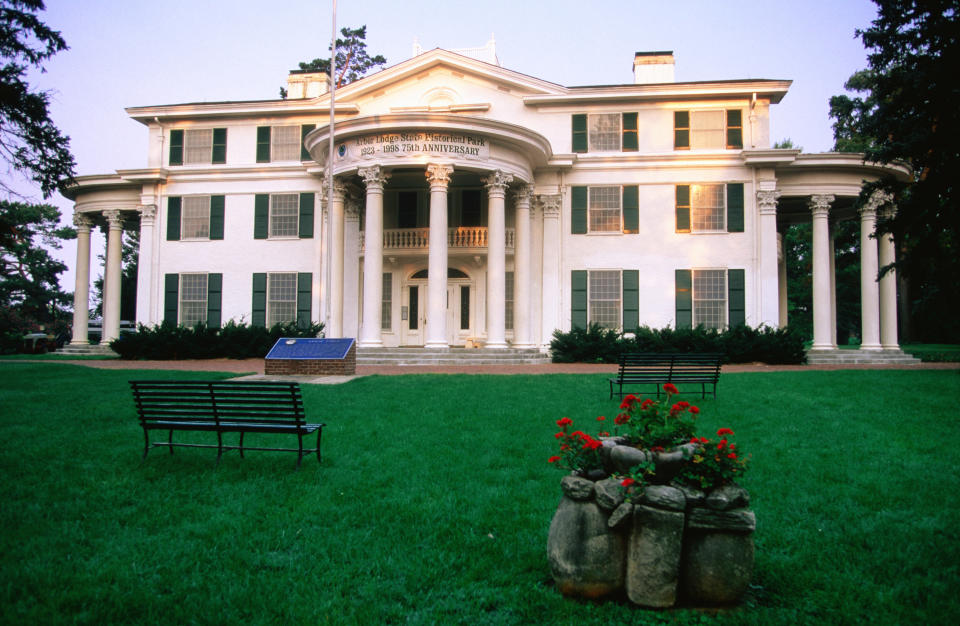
(301, 84)
(653, 67)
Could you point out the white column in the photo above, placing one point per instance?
(351, 264)
(146, 267)
(782, 280)
(113, 273)
(335, 260)
(551, 206)
(521, 265)
(820, 208)
(81, 290)
(496, 184)
(769, 268)
(374, 179)
(888, 292)
(869, 289)
(832, 230)
(439, 178)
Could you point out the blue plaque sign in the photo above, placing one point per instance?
(310, 348)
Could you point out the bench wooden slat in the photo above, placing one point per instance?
(636, 368)
(271, 407)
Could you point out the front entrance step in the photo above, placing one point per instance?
(860, 357)
(450, 356)
(84, 350)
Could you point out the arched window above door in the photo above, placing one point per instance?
(452, 272)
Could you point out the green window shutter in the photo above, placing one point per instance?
(734, 129)
(219, 145)
(736, 298)
(629, 142)
(735, 207)
(261, 215)
(681, 130)
(214, 299)
(683, 208)
(579, 141)
(631, 300)
(258, 315)
(176, 147)
(216, 217)
(631, 208)
(304, 287)
(173, 217)
(578, 298)
(304, 130)
(263, 144)
(171, 297)
(684, 290)
(578, 210)
(306, 215)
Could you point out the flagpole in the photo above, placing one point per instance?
(333, 91)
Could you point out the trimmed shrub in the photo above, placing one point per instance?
(235, 341)
(740, 344)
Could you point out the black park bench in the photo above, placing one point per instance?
(659, 369)
(222, 407)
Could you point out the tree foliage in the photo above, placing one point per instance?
(30, 143)
(906, 111)
(352, 59)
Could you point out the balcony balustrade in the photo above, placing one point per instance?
(460, 238)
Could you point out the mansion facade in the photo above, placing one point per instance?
(468, 204)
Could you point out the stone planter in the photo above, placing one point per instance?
(674, 545)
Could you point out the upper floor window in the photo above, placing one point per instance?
(283, 215)
(198, 146)
(716, 129)
(607, 209)
(282, 143)
(709, 208)
(604, 132)
(195, 217)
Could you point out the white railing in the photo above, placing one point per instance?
(419, 238)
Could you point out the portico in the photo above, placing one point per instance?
(438, 194)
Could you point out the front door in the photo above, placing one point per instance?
(414, 316)
(459, 312)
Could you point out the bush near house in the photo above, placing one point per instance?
(233, 340)
(739, 344)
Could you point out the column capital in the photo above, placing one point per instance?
(351, 210)
(148, 212)
(549, 204)
(767, 202)
(880, 202)
(82, 222)
(114, 219)
(374, 178)
(522, 194)
(820, 204)
(497, 181)
(339, 189)
(439, 175)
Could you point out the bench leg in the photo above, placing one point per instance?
(146, 443)
(319, 432)
(241, 444)
(299, 449)
(219, 447)
(170, 441)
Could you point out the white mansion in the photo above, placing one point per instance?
(475, 205)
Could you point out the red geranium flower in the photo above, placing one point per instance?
(656, 449)
(601, 418)
(626, 482)
(623, 418)
(670, 388)
(564, 421)
(724, 431)
(646, 403)
(732, 455)
(558, 436)
(553, 459)
(722, 444)
(694, 410)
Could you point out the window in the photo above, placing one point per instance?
(281, 298)
(604, 132)
(282, 143)
(709, 208)
(716, 129)
(284, 215)
(599, 209)
(386, 302)
(195, 217)
(710, 297)
(193, 299)
(198, 146)
(605, 297)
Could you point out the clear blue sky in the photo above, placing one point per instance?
(132, 53)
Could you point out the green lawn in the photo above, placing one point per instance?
(434, 499)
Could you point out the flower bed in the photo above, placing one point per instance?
(653, 512)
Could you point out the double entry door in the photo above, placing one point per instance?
(458, 307)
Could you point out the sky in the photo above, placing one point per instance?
(134, 53)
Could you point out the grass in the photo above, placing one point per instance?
(434, 499)
(933, 352)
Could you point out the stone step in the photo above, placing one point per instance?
(860, 357)
(453, 356)
(92, 349)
